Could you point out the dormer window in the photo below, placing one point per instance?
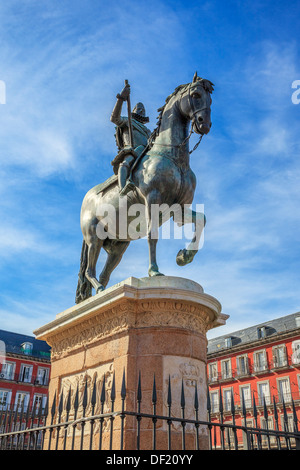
(27, 348)
(261, 332)
(228, 342)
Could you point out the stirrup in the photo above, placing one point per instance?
(129, 186)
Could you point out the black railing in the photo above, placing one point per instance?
(88, 420)
(22, 378)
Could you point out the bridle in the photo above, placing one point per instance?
(192, 119)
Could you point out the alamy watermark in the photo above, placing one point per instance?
(296, 95)
(133, 222)
(2, 92)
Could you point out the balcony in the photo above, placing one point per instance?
(36, 381)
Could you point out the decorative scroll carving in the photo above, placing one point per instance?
(130, 314)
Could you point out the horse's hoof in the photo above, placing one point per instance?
(99, 289)
(181, 258)
(185, 257)
(154, 272)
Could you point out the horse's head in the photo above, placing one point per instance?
(195, 104)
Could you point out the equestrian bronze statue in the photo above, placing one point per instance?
(151, 170)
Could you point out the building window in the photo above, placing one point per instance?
(27, 348)
(264, 396)
(261, 332)
(268, 425)
(8, 370)
(22, 399)
(260, 361)
(242, 365)
(226, 369)
(245, 394)
(227, 395)
(228, 342)
(296, 352)
(279, 356)
(42, 377)
(213, 372)
(284, 390)
(39, 400)
(5, 396)
(214, 402)
(25, 373)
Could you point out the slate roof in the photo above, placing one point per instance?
(13, 344)
(250, 335)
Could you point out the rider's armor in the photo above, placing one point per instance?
(127, 155)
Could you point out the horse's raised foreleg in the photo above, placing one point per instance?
(115, 250)
(186, 255)
(152, 233)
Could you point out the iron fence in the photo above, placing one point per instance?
(72, 423)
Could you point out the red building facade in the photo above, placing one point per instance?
(255, 369)
(24, 371)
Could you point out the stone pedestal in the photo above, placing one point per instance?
(150, 326)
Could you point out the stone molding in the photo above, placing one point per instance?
(146, 303)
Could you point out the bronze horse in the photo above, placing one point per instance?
(162, 176)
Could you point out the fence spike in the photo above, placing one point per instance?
(61, 402)
(53, 408)
(169, 397)
(265, 409)
(123, 388)
(221, 409)
(295, 418)
(76, 400)
(208, 402)
(85, 395)
(94, 393)
(275, 410)
(68, 404)
(102, 398)
(154, 395)
(182, 398)
(139, 389)
(232, 406)
(254, 407)
(113, 389)
(244, 406)
(196, 400)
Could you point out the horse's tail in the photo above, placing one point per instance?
(84, 287)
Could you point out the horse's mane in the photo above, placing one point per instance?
(207, 85)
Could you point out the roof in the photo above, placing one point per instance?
(13, 344)
(250, 335)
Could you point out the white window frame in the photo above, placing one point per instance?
(248, 401)
(276, 359)
(22, 373)
(227, 403)
(4, 374)
(286, 395)
(260, 397)
(226, 374)
(44, 380)
(213, 377)
(257, 367)
(20, 396)
(246, 365)
(7, 393)
(296, 351)
(215, 404)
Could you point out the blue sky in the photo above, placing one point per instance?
(63, 63)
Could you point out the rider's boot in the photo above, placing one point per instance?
(125, 184)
